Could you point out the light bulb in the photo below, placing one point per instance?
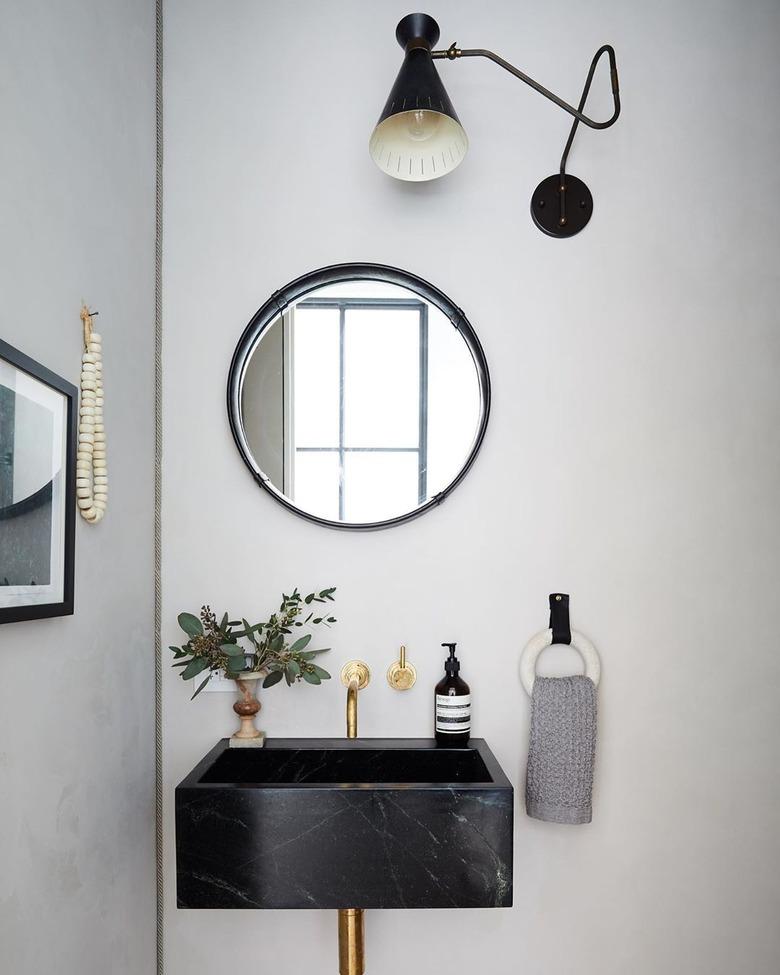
(422, 125)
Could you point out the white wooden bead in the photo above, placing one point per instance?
(91, 469)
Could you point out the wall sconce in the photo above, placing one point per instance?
(419, 136)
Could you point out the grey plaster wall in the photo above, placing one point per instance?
(631, 458)
(76, 693)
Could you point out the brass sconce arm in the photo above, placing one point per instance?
(453, 52)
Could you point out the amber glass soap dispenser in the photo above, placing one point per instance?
(452, 706)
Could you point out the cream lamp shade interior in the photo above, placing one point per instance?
(418, 135)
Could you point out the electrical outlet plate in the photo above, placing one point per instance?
(219, 683)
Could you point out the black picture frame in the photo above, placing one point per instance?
(294, 291)
(64, 607)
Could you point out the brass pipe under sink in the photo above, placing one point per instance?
(355, 675)
(352, 954)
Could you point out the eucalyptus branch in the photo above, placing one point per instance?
(215, 647)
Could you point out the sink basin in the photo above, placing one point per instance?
(333, 823)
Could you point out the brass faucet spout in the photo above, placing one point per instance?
(355, 675)
(352, 696)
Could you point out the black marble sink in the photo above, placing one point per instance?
(331, 823)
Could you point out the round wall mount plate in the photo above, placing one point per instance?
(546, 206)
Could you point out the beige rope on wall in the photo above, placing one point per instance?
(91, 467)
(158, 452)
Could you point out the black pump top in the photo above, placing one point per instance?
(452, 664)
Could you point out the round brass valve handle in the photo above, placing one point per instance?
(401, 675)
(355, 670)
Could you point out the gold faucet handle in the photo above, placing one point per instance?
(355, 670)
(401, 675)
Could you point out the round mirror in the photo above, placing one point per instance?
(358, 396)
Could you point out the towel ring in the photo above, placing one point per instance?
(541, 641)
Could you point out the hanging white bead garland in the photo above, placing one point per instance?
(91, 469)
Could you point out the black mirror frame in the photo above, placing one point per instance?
(295, 290)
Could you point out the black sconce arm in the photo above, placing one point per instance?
(567, 221)
(453, 52)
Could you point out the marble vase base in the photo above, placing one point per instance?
(248, 742)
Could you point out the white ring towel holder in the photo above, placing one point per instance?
(541, 641)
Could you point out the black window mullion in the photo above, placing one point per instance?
(342, 323)
(344, 304)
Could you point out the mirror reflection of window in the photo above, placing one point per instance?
(360, 396)
(361, 402)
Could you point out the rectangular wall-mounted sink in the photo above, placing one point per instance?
(333, 823)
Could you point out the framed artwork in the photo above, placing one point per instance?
(38, 412)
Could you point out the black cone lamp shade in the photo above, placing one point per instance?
(418, 135)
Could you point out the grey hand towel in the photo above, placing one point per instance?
(559, 781)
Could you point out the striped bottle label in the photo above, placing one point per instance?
(453, 714)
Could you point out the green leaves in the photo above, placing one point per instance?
(196, 666)
(231, 649)
(201, 686)
(301, 643)
(191, 625)
(311, 654)
(213, 643)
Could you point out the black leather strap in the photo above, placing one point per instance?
(559, 617)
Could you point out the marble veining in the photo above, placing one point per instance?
(294, 831)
